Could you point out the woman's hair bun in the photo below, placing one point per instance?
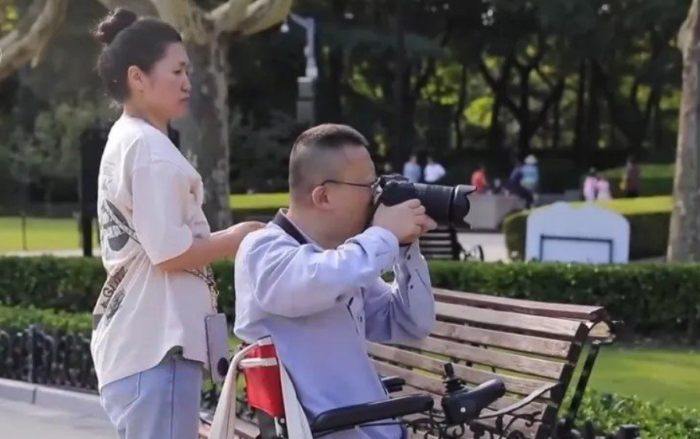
(110, 26)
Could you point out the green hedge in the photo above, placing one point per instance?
(17, 318)
(656, 179)
(649, 219)
(655, 419)
(650, 298)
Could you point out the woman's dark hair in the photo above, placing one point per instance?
(130, 41)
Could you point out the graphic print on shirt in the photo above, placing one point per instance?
(116, 231)
(115, 234)
(207, 275)
(108, 303)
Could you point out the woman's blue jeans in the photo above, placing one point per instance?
(159, 403)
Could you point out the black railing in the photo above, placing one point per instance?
(54, 358)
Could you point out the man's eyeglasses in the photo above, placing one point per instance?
(372, 185)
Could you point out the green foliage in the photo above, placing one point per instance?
(657, 179)
(656, 420)
(261, 152)
(649, 219)
(635, 293)
(52, 149)
(68, 284)
(18, 318)
(9, 15)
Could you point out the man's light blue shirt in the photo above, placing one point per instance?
(322, 306)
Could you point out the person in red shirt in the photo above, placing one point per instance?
(479, 179)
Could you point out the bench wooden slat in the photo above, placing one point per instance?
(509, 320)
(437, 236)
(490, 357)
(545, 309)
(507, 340)
(522, 386)
(430, 246)
(436, 242)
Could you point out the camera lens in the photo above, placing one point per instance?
(445, 204)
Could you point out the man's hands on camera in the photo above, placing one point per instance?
(407, 221)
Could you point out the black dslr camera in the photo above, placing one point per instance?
(446, 205)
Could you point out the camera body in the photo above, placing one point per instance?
(446, 205)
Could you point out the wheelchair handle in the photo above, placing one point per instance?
(463, 406)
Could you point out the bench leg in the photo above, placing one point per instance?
(583, 380)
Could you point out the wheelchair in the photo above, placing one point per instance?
(271, 396)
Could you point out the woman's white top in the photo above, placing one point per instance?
(149, 210)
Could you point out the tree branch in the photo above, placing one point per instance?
(249, 16)
(27, 42)
(500, 86)
(188, 18)
(142, 8)
(553, 97)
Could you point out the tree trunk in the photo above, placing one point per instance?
(684, 238)
(556, 135)
(204, 135)
(461, 104)
(399, 152)
(580, 109)
(523, 114)
(592, 123)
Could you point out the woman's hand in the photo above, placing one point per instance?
(237, 232)
(220, 245)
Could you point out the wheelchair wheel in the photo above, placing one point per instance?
(475, 253)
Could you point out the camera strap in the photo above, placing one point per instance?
(289, 228)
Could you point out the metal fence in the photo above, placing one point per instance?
(61, 359)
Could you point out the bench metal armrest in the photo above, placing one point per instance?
(520, 404)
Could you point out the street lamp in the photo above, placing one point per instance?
(306, 101)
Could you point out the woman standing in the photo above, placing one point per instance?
(149, 340)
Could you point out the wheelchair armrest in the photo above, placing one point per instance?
(393, 384)
(351, 416)
(522, 403)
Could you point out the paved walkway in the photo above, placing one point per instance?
(19, 420)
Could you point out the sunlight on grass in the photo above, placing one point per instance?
(671, 376)
(259, 201)
(63, 234)
(41, 234)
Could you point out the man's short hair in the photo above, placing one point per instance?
(309, 157)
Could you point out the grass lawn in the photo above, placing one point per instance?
(670, 375)
(41, 234)
(259, 201)
(635, 206)
(62, 234)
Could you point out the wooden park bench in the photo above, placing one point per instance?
(533, 347)
(443, 243)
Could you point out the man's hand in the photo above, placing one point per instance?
(407, 221)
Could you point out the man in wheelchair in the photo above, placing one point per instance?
(312, 282)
